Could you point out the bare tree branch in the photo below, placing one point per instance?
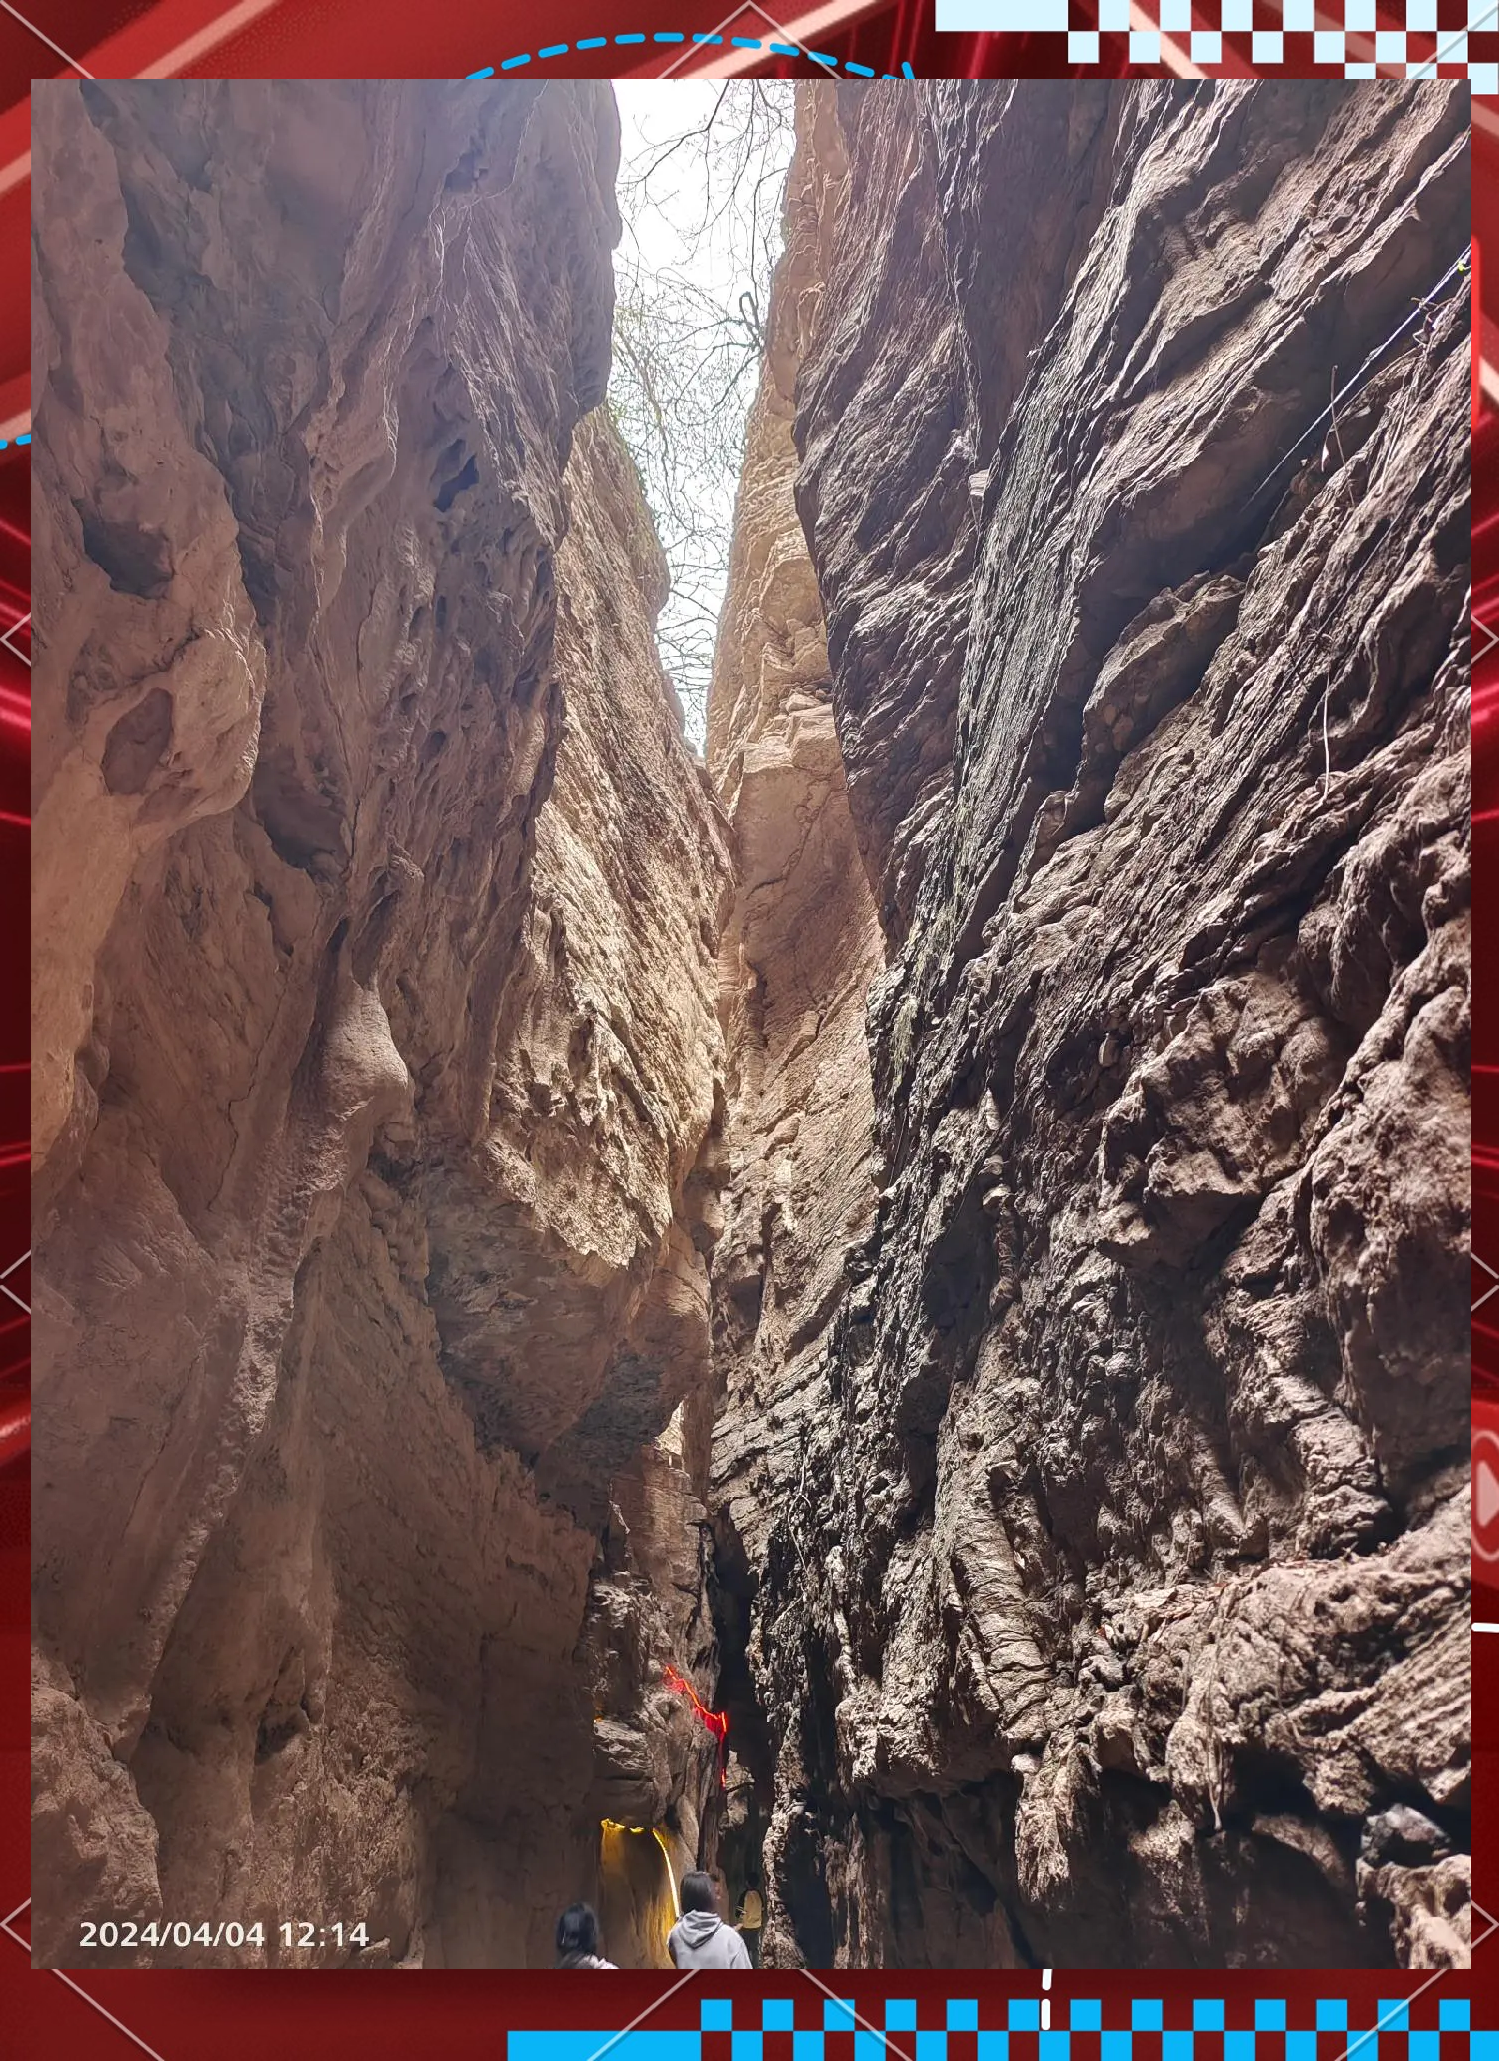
(689, 339)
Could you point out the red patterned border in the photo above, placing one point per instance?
(173, 2015)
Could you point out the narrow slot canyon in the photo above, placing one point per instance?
(875, 1309)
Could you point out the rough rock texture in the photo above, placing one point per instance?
(800, 950)
(1094, 1560)
(379, 1070)
(1069, 1104)
(656, 1778)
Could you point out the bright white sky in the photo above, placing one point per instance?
(651, 113)
(665, 232)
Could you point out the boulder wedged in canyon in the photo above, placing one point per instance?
(1092, 1560)
(379, 1075)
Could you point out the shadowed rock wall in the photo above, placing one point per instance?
(802, 944)
(1094, 1557)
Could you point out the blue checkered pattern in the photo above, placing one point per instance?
(1437, 40)
(1386, 2036)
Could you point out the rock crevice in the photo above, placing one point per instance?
(935, 1236)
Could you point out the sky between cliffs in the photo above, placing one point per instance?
(701, 183)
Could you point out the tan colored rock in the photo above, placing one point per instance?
(800, 949)
(156, 656)
(381, 1179)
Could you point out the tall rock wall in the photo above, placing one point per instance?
(378, 1064)
(800, 949)
(981, 1294)
(1093, 1555)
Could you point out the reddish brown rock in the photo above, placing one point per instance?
(1115, 1593)
(1020, 1225)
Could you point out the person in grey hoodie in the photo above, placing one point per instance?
(700, 1938)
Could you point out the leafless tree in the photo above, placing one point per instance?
(688, 340)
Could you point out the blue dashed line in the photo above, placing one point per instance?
(510, 64)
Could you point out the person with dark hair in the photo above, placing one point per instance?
(700, 1938)
(578, 1939)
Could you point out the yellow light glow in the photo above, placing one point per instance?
(671, 1876)
(653, 1914)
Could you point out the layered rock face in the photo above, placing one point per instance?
(802, 945)
(1062, 1482)
(1091, 1501)
(379, 1075)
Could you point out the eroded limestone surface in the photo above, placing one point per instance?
(1095, 1557)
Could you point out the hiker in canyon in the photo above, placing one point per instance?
(807, 1232)
(578, 1939)
(700, 1938)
